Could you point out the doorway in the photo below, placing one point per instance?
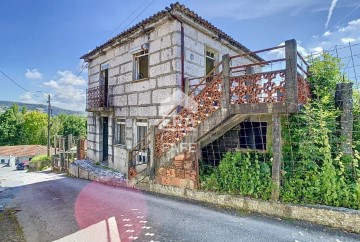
(105, 133)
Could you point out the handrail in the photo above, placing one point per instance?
(258, 63)
(302, 58)
(138, 151)
(305, 72)
(199, 77)
(140, 142)
(258, 51)
(183, 99)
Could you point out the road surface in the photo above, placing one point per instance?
(55, 207)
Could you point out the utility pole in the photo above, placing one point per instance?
(48, 128)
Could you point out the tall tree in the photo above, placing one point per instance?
(35, 127)
(74, 125)
(11, 126)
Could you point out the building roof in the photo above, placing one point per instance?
(157, 16)
(23, 150)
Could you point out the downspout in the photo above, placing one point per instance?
(182, 58)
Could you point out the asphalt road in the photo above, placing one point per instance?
(54, 207)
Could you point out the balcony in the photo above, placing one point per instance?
(275, 85)
(100, 99)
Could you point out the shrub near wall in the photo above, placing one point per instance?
(246, 174)
(39, 163)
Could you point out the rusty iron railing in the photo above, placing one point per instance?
(99, 97)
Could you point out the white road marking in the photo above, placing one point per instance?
(126, 219)
(149, 234)
(133, 238)
(130, 231)
(144, 227)
(127, 225)
(140, 217)
(143, 222)
(134, 209)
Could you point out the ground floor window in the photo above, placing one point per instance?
(2, 160)
(141, 133)
(120, 132)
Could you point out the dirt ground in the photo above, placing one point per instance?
(10, 230)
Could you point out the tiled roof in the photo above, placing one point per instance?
(187, 12)
(23, 150)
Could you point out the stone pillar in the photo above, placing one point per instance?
(225, 81)
(291, 85)
(277, 157)
(344, 101)
(153, 161)
(187, 86)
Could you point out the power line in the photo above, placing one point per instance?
(125, 20)
(17, 84)
(83, 67)
(140, 13)
(347, 15)
(63, 88)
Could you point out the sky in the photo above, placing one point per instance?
(42, 40)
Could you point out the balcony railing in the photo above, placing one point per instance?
(99, 97)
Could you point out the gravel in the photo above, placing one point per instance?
(101, 173)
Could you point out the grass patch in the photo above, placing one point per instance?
(10, 230)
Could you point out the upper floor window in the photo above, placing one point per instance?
(141, 65)
(210, 61)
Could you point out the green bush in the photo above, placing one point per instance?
(39, 163)
(240, 173)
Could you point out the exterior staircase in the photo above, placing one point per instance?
(215, 107)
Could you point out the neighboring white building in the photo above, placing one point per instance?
(132, 74)
(12, 155)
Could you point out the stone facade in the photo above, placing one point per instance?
(146, 99)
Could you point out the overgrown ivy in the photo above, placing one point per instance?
(315, 169)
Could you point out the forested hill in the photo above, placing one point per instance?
(40, 107)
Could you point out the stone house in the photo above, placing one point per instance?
(143, 79)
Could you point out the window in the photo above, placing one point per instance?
(120, 132)
(141, 65)
(2, 160)
(253, 135)
(141, 132)
(210, 59)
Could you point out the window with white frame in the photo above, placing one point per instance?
(141, 65)
(210, 60)
(120, 132)
(141, 132)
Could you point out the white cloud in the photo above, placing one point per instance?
(33, 74)
(341, 35)
(68, 78)
(52, 84)
(68, 91)
(331, 10)
(347, 40)
(327, 33)
(27, 97)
